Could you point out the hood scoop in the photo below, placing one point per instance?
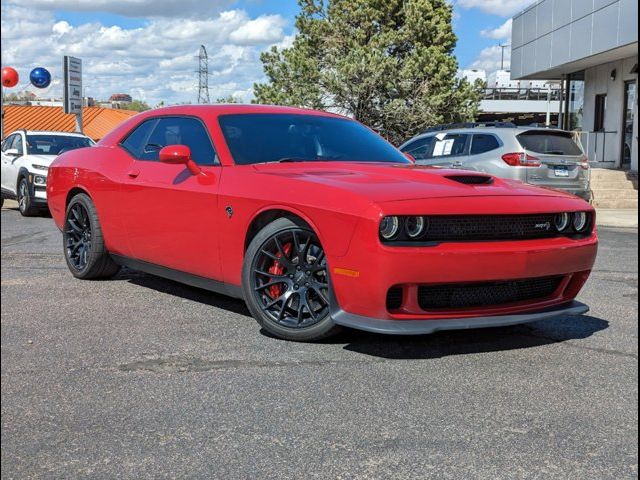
(471, 179)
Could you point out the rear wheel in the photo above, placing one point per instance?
(286, 282)
(25, 202)
(84, 248)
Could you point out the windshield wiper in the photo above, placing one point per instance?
(294, 159)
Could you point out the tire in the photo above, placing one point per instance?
(83, 243)
(1, 202)
(25, 202)
(290, 298)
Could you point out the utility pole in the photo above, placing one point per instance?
(502, 47)
(203, 76)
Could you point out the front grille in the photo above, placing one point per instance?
(394, 298)
(485, 294)
(451, 228)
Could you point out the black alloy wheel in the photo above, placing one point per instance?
(286, 282)
(84, 246)
(77, 231)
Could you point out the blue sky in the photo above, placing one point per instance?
(147, 47)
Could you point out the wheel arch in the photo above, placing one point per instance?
(23, 172)
(72, 193)
(268, 215)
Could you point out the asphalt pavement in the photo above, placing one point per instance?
(140, 377)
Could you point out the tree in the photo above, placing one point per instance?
(387, 63)
(227, 99)
(137, 106)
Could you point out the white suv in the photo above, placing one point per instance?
(26, 156)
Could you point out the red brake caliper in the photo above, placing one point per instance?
(277, 269)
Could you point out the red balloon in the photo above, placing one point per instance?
(9, 77)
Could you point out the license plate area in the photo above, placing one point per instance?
(561, 171)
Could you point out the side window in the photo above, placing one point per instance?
(180, 131)
(449, 145)
(420, 149)
(483, 143)
(137, 140)
(17, 144)
(6, 145)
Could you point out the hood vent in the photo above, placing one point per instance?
(471, 179)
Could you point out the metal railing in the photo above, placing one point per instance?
(520, 94)
(600, 146)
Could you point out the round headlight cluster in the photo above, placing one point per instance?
(578, 221)
(389, 227)
(414, 226)
(410, 227)
(562, 221)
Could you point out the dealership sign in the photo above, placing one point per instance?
(72, 85)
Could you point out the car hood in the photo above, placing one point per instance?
(44, 160)
(382, 182)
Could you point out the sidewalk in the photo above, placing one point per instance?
(609, 217)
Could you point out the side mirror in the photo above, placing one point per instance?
(179, 154)
(12, 152)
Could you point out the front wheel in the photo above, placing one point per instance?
(25, 202)
(84, 248)
(286, 282)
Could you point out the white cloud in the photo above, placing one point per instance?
(503, 8)
(489, 59)
(157, 61)
(131, 8)
(500, 33)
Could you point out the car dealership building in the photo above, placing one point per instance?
(592, 47)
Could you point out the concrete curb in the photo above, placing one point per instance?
(621, 218)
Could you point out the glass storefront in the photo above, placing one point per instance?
(627, 139)
(575, 102)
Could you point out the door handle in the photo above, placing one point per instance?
(457, 164)
(133, 173)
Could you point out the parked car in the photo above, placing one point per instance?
(317, 223)
(26, 156)
(541, 156)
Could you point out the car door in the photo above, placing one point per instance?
(10, 162)
(169, 213)
(447, 150)
(483, 154)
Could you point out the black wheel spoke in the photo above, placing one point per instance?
(77, 233)
(299, 265)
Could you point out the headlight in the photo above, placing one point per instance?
(414, 226)
(389, 227)
(580, 220)
(39, 180)
(562, 221)
(40, 167)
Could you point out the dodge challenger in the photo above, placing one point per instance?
(318, 223)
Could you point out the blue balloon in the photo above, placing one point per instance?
(40, 77)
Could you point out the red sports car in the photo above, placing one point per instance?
(317, 223)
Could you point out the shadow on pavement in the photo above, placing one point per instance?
(436, 345)
(464, 342)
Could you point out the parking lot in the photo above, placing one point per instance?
(141, 377)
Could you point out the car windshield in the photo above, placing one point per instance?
(55, 144)
(263, 138)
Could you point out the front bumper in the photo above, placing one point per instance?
(417, 327)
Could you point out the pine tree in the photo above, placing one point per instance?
(387, 63)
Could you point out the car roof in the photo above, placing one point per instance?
(493, 130)
(235, 108)
(51, 132)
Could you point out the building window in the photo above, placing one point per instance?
(575, 101)
(601, 110)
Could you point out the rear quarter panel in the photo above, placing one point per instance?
(96, 171)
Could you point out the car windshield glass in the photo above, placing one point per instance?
(55, 144)
(261, 138)
(549, 143)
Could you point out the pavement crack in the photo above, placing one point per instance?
(569, 343)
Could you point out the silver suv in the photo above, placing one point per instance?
(541, 156)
